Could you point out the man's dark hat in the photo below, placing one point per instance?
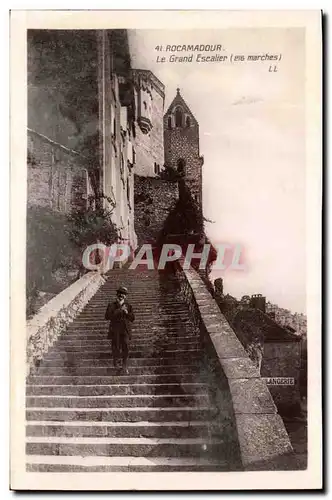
(122, 289)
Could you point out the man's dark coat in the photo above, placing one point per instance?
(120, 322)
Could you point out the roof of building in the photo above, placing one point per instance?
(146, 73)
(260, 321)
(179, 101)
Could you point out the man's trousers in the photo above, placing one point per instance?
(120, 349)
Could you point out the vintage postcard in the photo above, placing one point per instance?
(166, 172)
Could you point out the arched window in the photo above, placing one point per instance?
(187, 121)
(181, 164)
(178, 117)
(169, 122)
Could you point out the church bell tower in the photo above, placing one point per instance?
(181, 145)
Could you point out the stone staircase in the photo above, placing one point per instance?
(81, 415)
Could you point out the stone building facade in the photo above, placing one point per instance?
(149, 95)
(116, 123)
(181, 143)
(284, 317)
(281, 366)
(81, 110)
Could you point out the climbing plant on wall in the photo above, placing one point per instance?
(56, 242)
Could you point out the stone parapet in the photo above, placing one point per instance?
(263, 440)
(46, 326)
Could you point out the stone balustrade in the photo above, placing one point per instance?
(263, 440)
(45, 327)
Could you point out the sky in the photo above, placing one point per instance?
(252, 137)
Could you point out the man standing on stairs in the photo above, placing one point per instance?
(120, 315)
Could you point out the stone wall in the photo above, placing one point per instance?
(63, 116)
(56, 178)
(63, 84)
(46, 326)
(153, 200)
(275, 350)
(263, 439)
(283, 359)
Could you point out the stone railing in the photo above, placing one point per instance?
(45, 327)
(263, 440)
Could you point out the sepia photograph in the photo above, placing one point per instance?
(165, 207)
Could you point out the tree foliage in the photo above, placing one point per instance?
(56, 242)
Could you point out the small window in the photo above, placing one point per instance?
(178, 117)
(169, 122)
(156, 168)
(187, 122)
(145, 105)
(181, 164)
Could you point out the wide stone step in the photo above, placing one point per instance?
(97, 337)
(151, 333)
(143, 357)
(76, 362)
(125, 401)
(158, 305)
(145, 313)
(136, 358)
(115, 389)
(139, 313)
(53, 380)
(54, 463)
(101, 341)
(159, 344)
(152, 309)
(155, 318)
(141, 299)
(135, 344)
(108, 370)
(181, 328)
(138, 324)
(137, 447)
(139, 414)
(123, 429)
(161, 306)
(146, 332)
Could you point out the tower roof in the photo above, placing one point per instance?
(179, 101)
